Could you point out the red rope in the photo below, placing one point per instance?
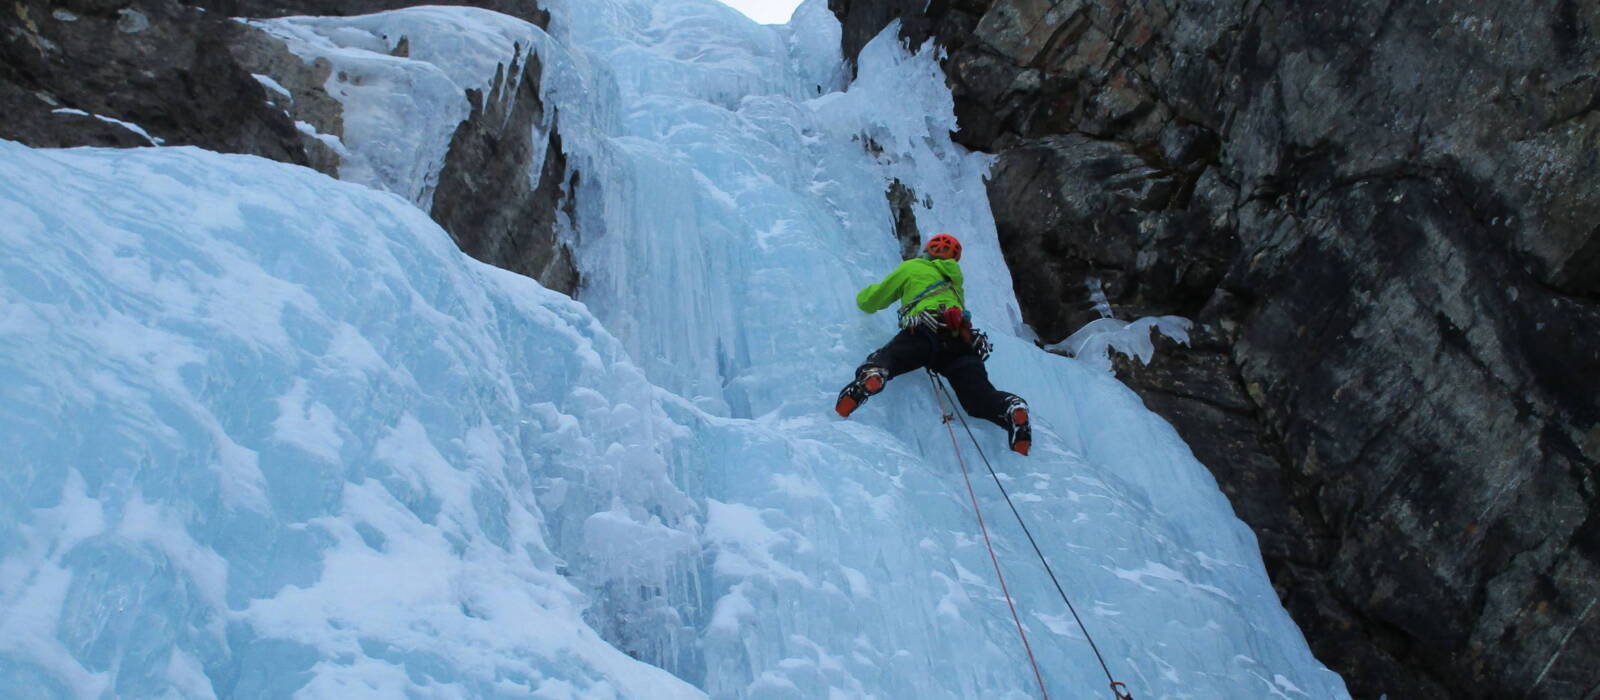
(992, 558)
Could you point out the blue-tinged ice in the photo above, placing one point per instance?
(401, 79)
(273, 435)
(269, 433)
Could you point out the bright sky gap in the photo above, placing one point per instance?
(765, 11)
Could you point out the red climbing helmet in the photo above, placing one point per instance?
(945, 246)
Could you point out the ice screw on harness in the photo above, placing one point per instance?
(941, 392)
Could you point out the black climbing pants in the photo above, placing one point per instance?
(917, 347)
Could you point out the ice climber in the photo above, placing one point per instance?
(935, 332)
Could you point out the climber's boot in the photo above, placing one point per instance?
(1021, 433)
(869, 381)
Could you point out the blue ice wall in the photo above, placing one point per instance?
(270, 434)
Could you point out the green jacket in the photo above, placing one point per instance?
(910, 280)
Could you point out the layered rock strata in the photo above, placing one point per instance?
(1383, 217)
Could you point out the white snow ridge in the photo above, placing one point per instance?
(272, 435)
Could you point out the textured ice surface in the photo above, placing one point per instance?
(269, 434)
(400, 107)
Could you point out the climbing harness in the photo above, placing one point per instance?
(945, 281)
(942, 392)
(924, 319)
(905, 309)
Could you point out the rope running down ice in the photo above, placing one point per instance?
(992, 557)
(943, 392)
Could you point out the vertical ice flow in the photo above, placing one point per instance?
(275, 436)
(743, 205)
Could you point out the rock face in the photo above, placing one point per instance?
(1385, 218)
(155, 64)
(484, 198)
(128, 73)
(901, 199)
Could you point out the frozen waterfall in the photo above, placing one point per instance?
(270, 434)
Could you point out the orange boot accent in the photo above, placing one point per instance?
(845, 406)
(1021, 432)
(1021, 446)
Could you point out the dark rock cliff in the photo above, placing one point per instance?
(1384, 218)
(153, 64)
(484, 197)
(100, 72)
